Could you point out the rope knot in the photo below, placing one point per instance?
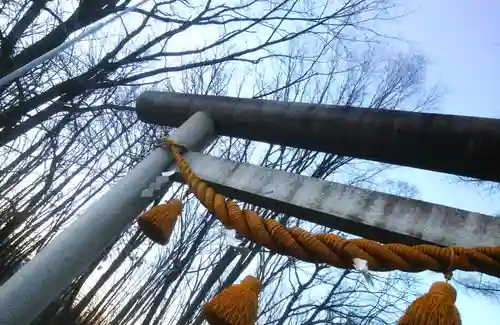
(253, 283)
(174, 145)
(235, 305)
(159, 222)
(436, 307)
(445, 289)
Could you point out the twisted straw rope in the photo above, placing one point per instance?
(332, 249)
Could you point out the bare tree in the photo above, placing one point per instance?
(68, 132)
(65, 85)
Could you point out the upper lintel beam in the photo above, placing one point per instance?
(460, 145)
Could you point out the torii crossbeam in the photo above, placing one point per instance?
(459, 145)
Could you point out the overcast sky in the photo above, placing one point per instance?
(461, 40)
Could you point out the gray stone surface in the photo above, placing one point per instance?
(369, 214)
(468, 146)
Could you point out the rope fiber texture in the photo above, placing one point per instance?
(332, 249)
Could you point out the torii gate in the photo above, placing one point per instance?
(461, 145)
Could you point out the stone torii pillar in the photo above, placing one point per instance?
(26, 294)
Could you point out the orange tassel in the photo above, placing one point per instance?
(436, 307)
(235, 305)
(159, 222)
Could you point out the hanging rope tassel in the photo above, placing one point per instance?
(159, 222)
(436, 307)
(235, 305)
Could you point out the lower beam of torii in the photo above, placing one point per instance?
(369, 214)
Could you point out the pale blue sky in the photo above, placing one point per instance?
(461, 40)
